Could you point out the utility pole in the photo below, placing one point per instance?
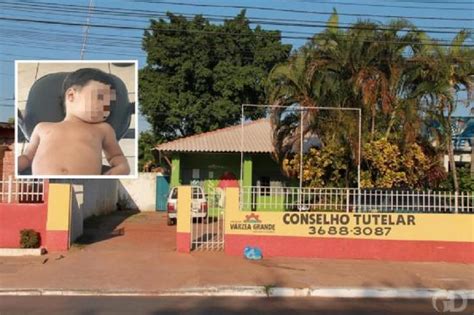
(86, 29)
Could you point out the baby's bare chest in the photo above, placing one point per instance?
(70, 135)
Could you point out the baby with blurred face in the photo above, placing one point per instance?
(74, 146)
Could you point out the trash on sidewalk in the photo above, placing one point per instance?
(253, 253)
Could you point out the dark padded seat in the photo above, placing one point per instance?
(44, 104)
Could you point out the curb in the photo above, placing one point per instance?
(15, 252)
(400, 293)
(261, 291)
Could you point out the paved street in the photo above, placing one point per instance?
(137, 252)
(213, 305)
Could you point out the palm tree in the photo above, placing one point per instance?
(372, 61)
(443, 72)
(369, 62)
(316, 75)
(291, 85)
(338, 69)
(392, 73)
(400, 42)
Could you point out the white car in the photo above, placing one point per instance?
(198, 204)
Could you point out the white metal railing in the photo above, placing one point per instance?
(355, 200)
(13, 190)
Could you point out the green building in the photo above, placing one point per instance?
(203, 159)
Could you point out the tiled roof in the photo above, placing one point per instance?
(5, 125)
(257, 139)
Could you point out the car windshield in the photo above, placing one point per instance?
(196, 193)
(174, 194)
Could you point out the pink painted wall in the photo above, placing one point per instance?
(347, 248)
(16, 217)
(183, 242)
(57, 241)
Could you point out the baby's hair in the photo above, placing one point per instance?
(82, 76)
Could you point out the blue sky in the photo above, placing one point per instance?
(24, 40)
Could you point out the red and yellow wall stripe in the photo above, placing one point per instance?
(58, 220)
(183, 228)
(408, 237)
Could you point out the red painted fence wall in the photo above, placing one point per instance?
(16, 217)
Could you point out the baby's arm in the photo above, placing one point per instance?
(113, 153)
(25, 160)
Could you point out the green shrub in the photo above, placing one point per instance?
(466, 181)
(29, 239)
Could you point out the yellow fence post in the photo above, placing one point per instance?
(58, 220)
(231, 208)
(183, 228)
(231, 201)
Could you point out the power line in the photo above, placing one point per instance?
(288, 24)
(42, 38)
(122, 27)
(78, 12)
(101, 52)
(433, 2)
(106, 38)
(62, 36)
(304, 11)
(249, 54)
(119, 43)
(35, 57)
(282, 36)
(153, 14)
(296, 32)
(126, 45)
(359, 4)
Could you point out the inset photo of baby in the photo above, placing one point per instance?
(76, 119)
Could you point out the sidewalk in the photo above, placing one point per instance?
(136, 252)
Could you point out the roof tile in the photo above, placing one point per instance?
(257, 139)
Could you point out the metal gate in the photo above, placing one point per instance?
(208, 233)
(162, 190)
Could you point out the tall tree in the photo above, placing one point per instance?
(444, 72)
(298, 83)
(198, 74)
(368, 66)
(370, 63)
(292, 83)
(146, 144)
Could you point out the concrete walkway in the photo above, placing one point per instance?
(135, 252)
